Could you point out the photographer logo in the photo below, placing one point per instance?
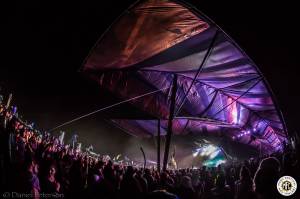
(286, 185)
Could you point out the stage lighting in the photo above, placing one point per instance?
(211, 155)
(220, 162)
(195, 154)
(210, 149)
(214, 154)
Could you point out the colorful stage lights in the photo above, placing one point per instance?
(214, 154)
(211, 154)
(243, 133)
(214, 162)
(206, 150)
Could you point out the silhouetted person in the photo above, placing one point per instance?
(130, 187)
(30, 180)
(49, 183)
(266, 177)
(186, 190)
(221, 190)
(244, 186)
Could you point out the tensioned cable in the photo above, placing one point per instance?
(108, 107)
(207, 54)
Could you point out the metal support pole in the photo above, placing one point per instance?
(170, 122)
(158, 145)
(144, 156)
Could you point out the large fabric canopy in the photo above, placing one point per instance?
(219, 89)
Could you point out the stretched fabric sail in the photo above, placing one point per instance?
(162, 24)
(219, 87)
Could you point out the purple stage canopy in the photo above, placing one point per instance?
(220, 89)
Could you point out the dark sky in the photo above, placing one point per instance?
(48, 41)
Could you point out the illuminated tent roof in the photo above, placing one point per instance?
(220, 89)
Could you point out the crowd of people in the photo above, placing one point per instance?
(37, 165)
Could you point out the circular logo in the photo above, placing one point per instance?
(286, 185)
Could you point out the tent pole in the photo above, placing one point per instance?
(170, 122)
(158, 145)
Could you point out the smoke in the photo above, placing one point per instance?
(106, 139)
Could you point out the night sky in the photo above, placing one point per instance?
(48, 41)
